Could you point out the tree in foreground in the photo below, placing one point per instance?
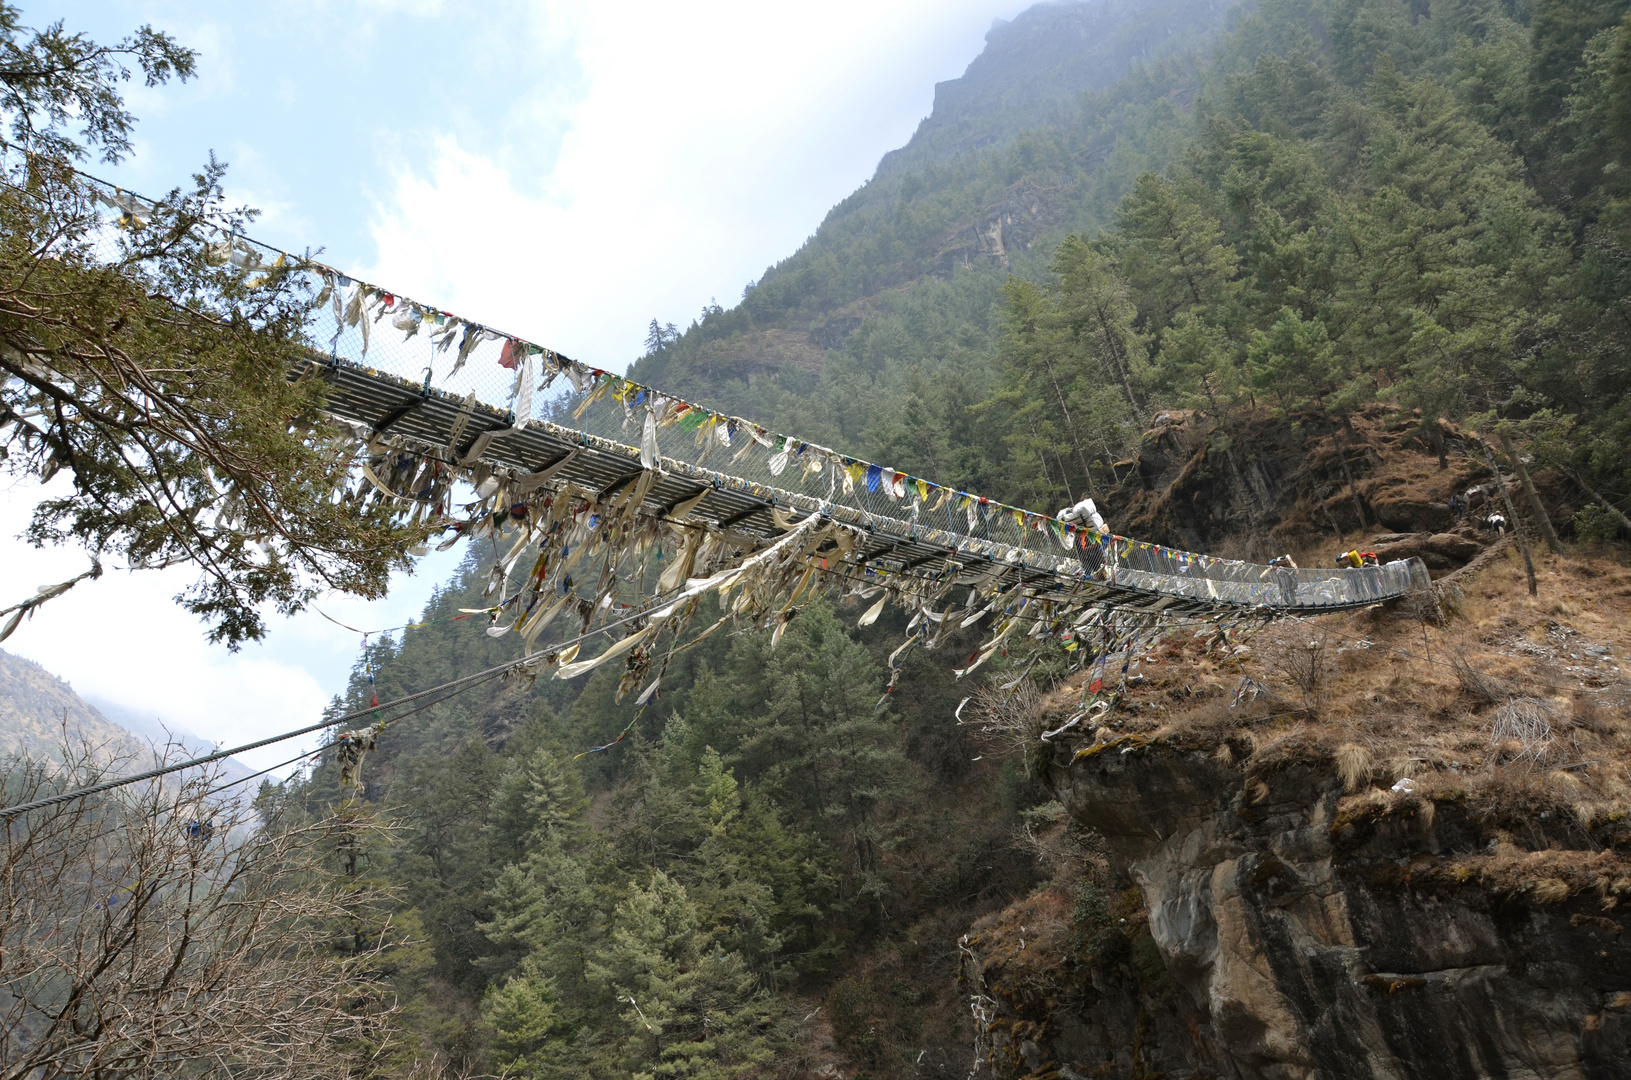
(145, 368)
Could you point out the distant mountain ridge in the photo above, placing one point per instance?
(37, 709)
(1035, 68)
(148, 728)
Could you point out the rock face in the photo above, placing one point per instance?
(1035, 68)
(1196, 485)
(1011, 225)
(1294, 932)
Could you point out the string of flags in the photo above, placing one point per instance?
(562, 551)
(1247, 690)
(355, 303)
(361, 304)
(591, 553)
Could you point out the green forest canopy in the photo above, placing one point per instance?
(1338, 205)
(1411, 206)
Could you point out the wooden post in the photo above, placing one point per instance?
(1546, 529)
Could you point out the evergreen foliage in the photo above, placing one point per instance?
(157, 380)
(1322, 207)
(1336, 205)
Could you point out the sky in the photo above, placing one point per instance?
(564, 171)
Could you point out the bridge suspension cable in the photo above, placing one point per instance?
(603, 483)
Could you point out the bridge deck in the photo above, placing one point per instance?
(1130, 575)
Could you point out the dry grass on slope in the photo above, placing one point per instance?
(1514, 708)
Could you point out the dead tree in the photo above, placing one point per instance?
(154, 930)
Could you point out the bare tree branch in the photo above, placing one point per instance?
(155, 930)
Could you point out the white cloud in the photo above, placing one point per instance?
(122, 637)
(255, 182)
(418, 8)
(700, 143)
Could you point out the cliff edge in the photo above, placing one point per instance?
(1385, 844)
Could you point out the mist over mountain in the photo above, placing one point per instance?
(1035, 68)
(1062, 110)
(37, 710)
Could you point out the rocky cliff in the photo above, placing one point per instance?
(1384, 845)
(1298, 938)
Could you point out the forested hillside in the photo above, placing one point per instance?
(900, 287)
(1304, 217)
(1338, 205)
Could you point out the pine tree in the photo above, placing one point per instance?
(545, 915)
(1171, 251)
(1295, 363)
(1561, 29)
(687, 1007)
(524, 1019)
(1096, 308)
(154, 380)
(1041, 401)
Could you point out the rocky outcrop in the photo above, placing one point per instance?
(1440, 551)
(1005, 228)
(1291, 932)
(1276, 481)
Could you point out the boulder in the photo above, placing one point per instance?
(1413, 515)
(1434, 561)
(1390, 546)
(1451, 545)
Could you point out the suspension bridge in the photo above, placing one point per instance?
(445, 389)
(929, 534)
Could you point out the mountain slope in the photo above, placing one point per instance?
(1034, 70)
(37, 708)
(1049, 123)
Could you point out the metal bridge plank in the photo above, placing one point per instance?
(384, 403)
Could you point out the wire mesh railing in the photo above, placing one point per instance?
(366, 326)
